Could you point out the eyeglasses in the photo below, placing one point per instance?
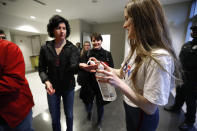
(86, 45)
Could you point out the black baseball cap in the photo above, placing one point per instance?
(194, 26)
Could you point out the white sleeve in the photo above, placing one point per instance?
(157, 83)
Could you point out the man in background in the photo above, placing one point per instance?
(187, 92)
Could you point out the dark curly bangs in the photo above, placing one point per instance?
(54, 21)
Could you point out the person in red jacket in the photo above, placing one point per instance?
(16, 100)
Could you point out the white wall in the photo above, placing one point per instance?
(44, 38)
(86, 36)
(77, 28)
(17, 23)
(106, 42)
(24, 44)
(86, 31)
(30, 45)
(177, 16)
(117, 33)
(36, 44)
(86, 27)
(75, 35)
(9, 22)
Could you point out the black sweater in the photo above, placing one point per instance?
(59, 69)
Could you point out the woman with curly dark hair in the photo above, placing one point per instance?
(58, 62)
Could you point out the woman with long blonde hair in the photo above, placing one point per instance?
(86, 47)
(150, 69)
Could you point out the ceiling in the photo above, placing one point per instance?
(104, 11)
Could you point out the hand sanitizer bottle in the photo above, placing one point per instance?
(108, 92)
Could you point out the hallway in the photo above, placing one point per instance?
(114, 119)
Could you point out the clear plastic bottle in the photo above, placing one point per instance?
(108, 92)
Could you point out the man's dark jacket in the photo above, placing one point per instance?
(188, 58)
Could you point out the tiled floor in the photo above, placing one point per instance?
(114, 119)
(39, 93)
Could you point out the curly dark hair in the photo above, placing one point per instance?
(54, 21)
(97, 36)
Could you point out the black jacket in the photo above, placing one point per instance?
(59, 69)
(101, 55)
(88, 80)
(188, 58)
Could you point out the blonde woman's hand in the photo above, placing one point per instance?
(109, 76)
(49, 88)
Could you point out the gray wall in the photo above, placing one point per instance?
(75, 35)
(117, 39)
(177, 17)
(24, 43)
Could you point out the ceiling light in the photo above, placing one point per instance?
(27, 28)
(33, 17)
(58, 10)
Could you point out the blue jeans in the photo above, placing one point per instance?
(25, 125)
(138, 120)
(54, 109)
